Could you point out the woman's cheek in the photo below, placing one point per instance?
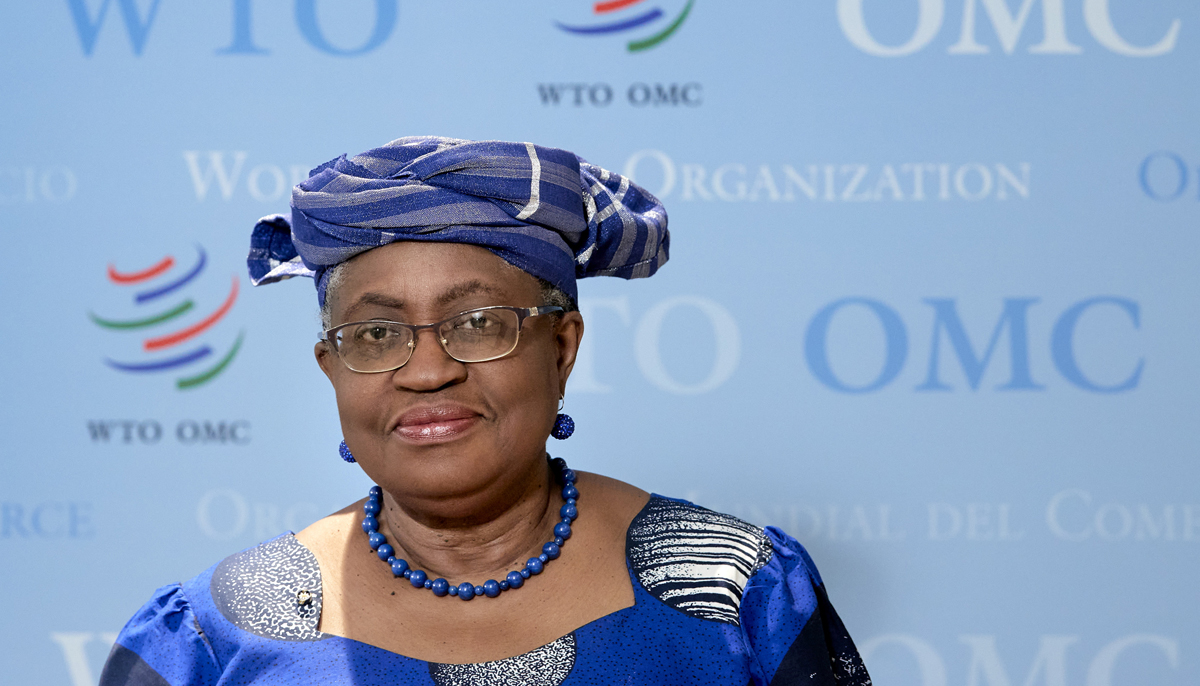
(365, 410)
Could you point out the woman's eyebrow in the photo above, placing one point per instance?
(464, 289)
(378, 299)
(456, 292)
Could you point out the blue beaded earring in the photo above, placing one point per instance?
(564, 426)
(344, 451)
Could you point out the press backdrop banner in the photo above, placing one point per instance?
(933, 304)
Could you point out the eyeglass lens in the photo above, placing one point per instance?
(475, 336)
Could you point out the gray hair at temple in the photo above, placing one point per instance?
(551, 294)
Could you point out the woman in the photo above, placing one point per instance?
(445, 273)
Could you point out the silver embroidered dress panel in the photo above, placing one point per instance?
(272, 590)
(695, 560)
(545, 666)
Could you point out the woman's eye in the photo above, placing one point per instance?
(373, 334)
(476, 321)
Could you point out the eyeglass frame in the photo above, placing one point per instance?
(522, 313)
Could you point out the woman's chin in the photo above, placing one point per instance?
(475, 464)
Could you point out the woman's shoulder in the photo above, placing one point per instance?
(669, 540)
(186, 630)
(162, 643)
(696, 560)
(272, 590)
(717, 567)
(326, 538)
(618, 502)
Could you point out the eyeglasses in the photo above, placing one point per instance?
(480, 335)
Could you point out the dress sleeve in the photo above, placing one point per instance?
(792, 632)
(163, 645)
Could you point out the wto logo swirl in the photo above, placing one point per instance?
(630, 23)
(150, 295)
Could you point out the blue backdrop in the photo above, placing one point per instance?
(942, 256)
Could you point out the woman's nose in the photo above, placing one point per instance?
(430, 367)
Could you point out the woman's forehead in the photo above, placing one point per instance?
(414, 275)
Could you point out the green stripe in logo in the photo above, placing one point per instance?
(148, 321)
(647, 43)
(206, 376)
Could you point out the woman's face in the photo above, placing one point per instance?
(452, 435)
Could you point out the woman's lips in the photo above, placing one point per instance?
(434, 424)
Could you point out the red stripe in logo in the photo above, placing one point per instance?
(195, 329)
(144, 275)
(613, 5)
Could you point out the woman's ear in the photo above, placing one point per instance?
(324, 354)
(568, 333)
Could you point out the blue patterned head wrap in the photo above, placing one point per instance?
(543, 210)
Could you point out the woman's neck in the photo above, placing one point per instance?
(502, 530)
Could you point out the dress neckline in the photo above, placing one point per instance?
(633, 580)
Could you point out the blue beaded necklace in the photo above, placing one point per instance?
(490, 588)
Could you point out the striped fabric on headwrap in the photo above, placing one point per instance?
(543, 210)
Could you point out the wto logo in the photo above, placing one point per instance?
(153, 290)
(630, 23)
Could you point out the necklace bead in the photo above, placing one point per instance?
(417, 578)
(491, 588)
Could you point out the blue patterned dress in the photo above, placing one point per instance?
(717, 601)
